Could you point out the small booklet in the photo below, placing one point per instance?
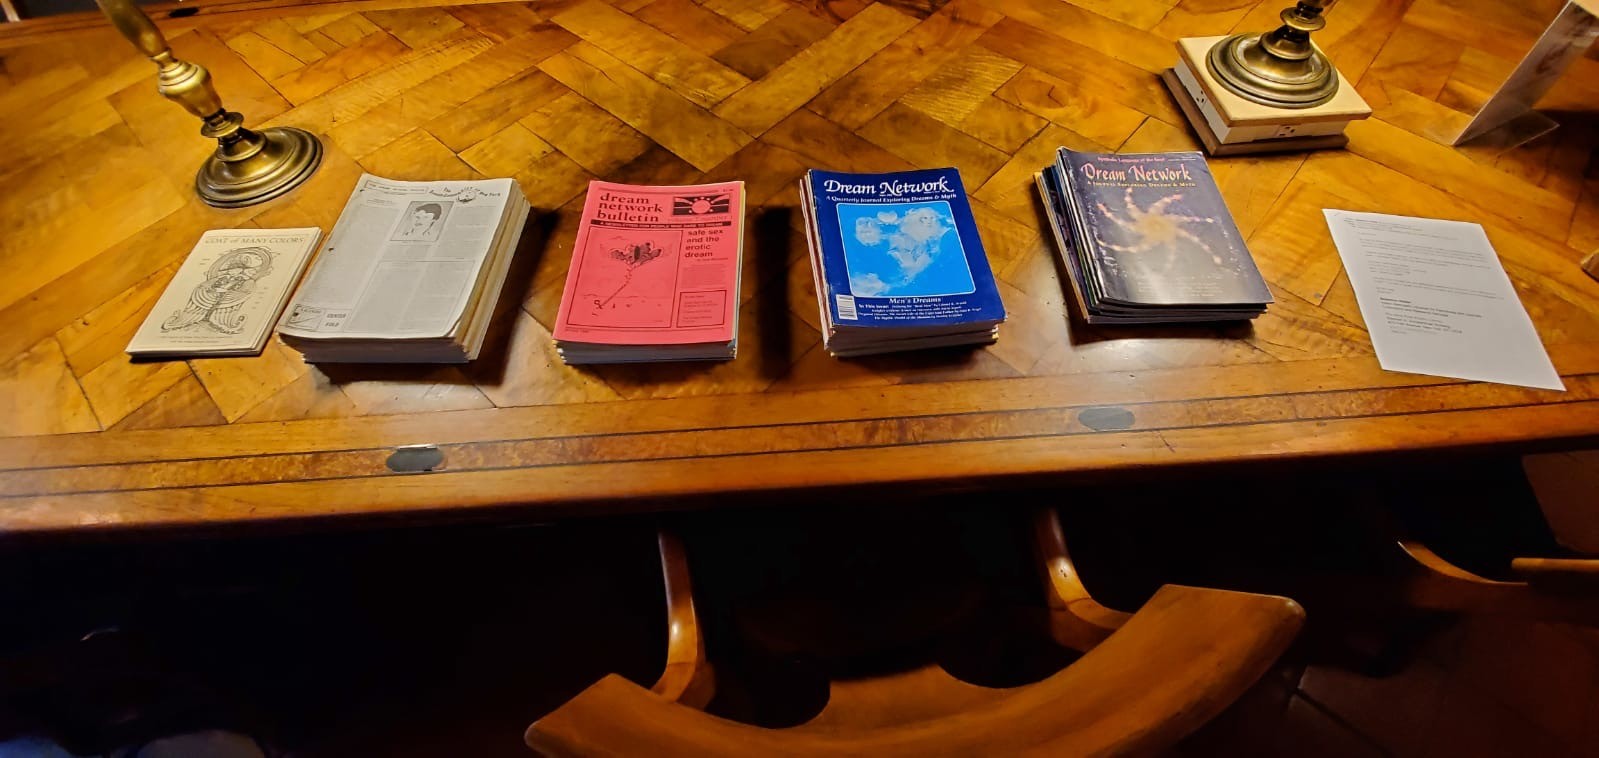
(227, 294)
(897, 262)
(1148, 239)
(654, 275)
(410, 273)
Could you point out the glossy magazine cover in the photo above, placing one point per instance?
(1155, 231)
(901, 250)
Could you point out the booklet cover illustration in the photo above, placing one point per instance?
(626, 282)
(227, 294)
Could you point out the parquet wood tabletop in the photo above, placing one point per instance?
(98, 211)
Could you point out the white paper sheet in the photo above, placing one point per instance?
(1437, 301)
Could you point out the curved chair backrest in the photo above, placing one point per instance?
(1185, 656)
(1146, 681)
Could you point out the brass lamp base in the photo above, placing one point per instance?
(1245, 65)
(285, 159)
(1281, 68)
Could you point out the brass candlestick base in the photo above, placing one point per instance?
(1279, 68)
(248, 167)
(248, 171)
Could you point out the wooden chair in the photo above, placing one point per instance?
(1145, 681)
(1564, 589)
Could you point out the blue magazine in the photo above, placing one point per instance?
(901, 250)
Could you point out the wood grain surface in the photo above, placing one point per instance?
(98, 212)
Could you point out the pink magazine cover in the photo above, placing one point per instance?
(654, 265)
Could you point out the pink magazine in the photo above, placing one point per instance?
(654, 266)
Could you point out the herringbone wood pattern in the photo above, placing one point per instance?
(95, 196)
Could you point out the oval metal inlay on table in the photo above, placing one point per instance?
(415, 459)
(1106, 419)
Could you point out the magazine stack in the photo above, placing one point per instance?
(897, 262)
(1147, 239)
(654, 275)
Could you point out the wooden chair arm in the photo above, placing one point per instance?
(1076, 619)
(1558, 572)
(1442, 569)
(1437, 584)
(1563, 572)
(688, 678)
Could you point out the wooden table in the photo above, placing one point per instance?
(98, 212)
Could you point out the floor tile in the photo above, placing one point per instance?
(1392, 711)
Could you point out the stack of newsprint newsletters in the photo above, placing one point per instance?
(410, 273)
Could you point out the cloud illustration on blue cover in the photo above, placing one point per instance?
(904, 250)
